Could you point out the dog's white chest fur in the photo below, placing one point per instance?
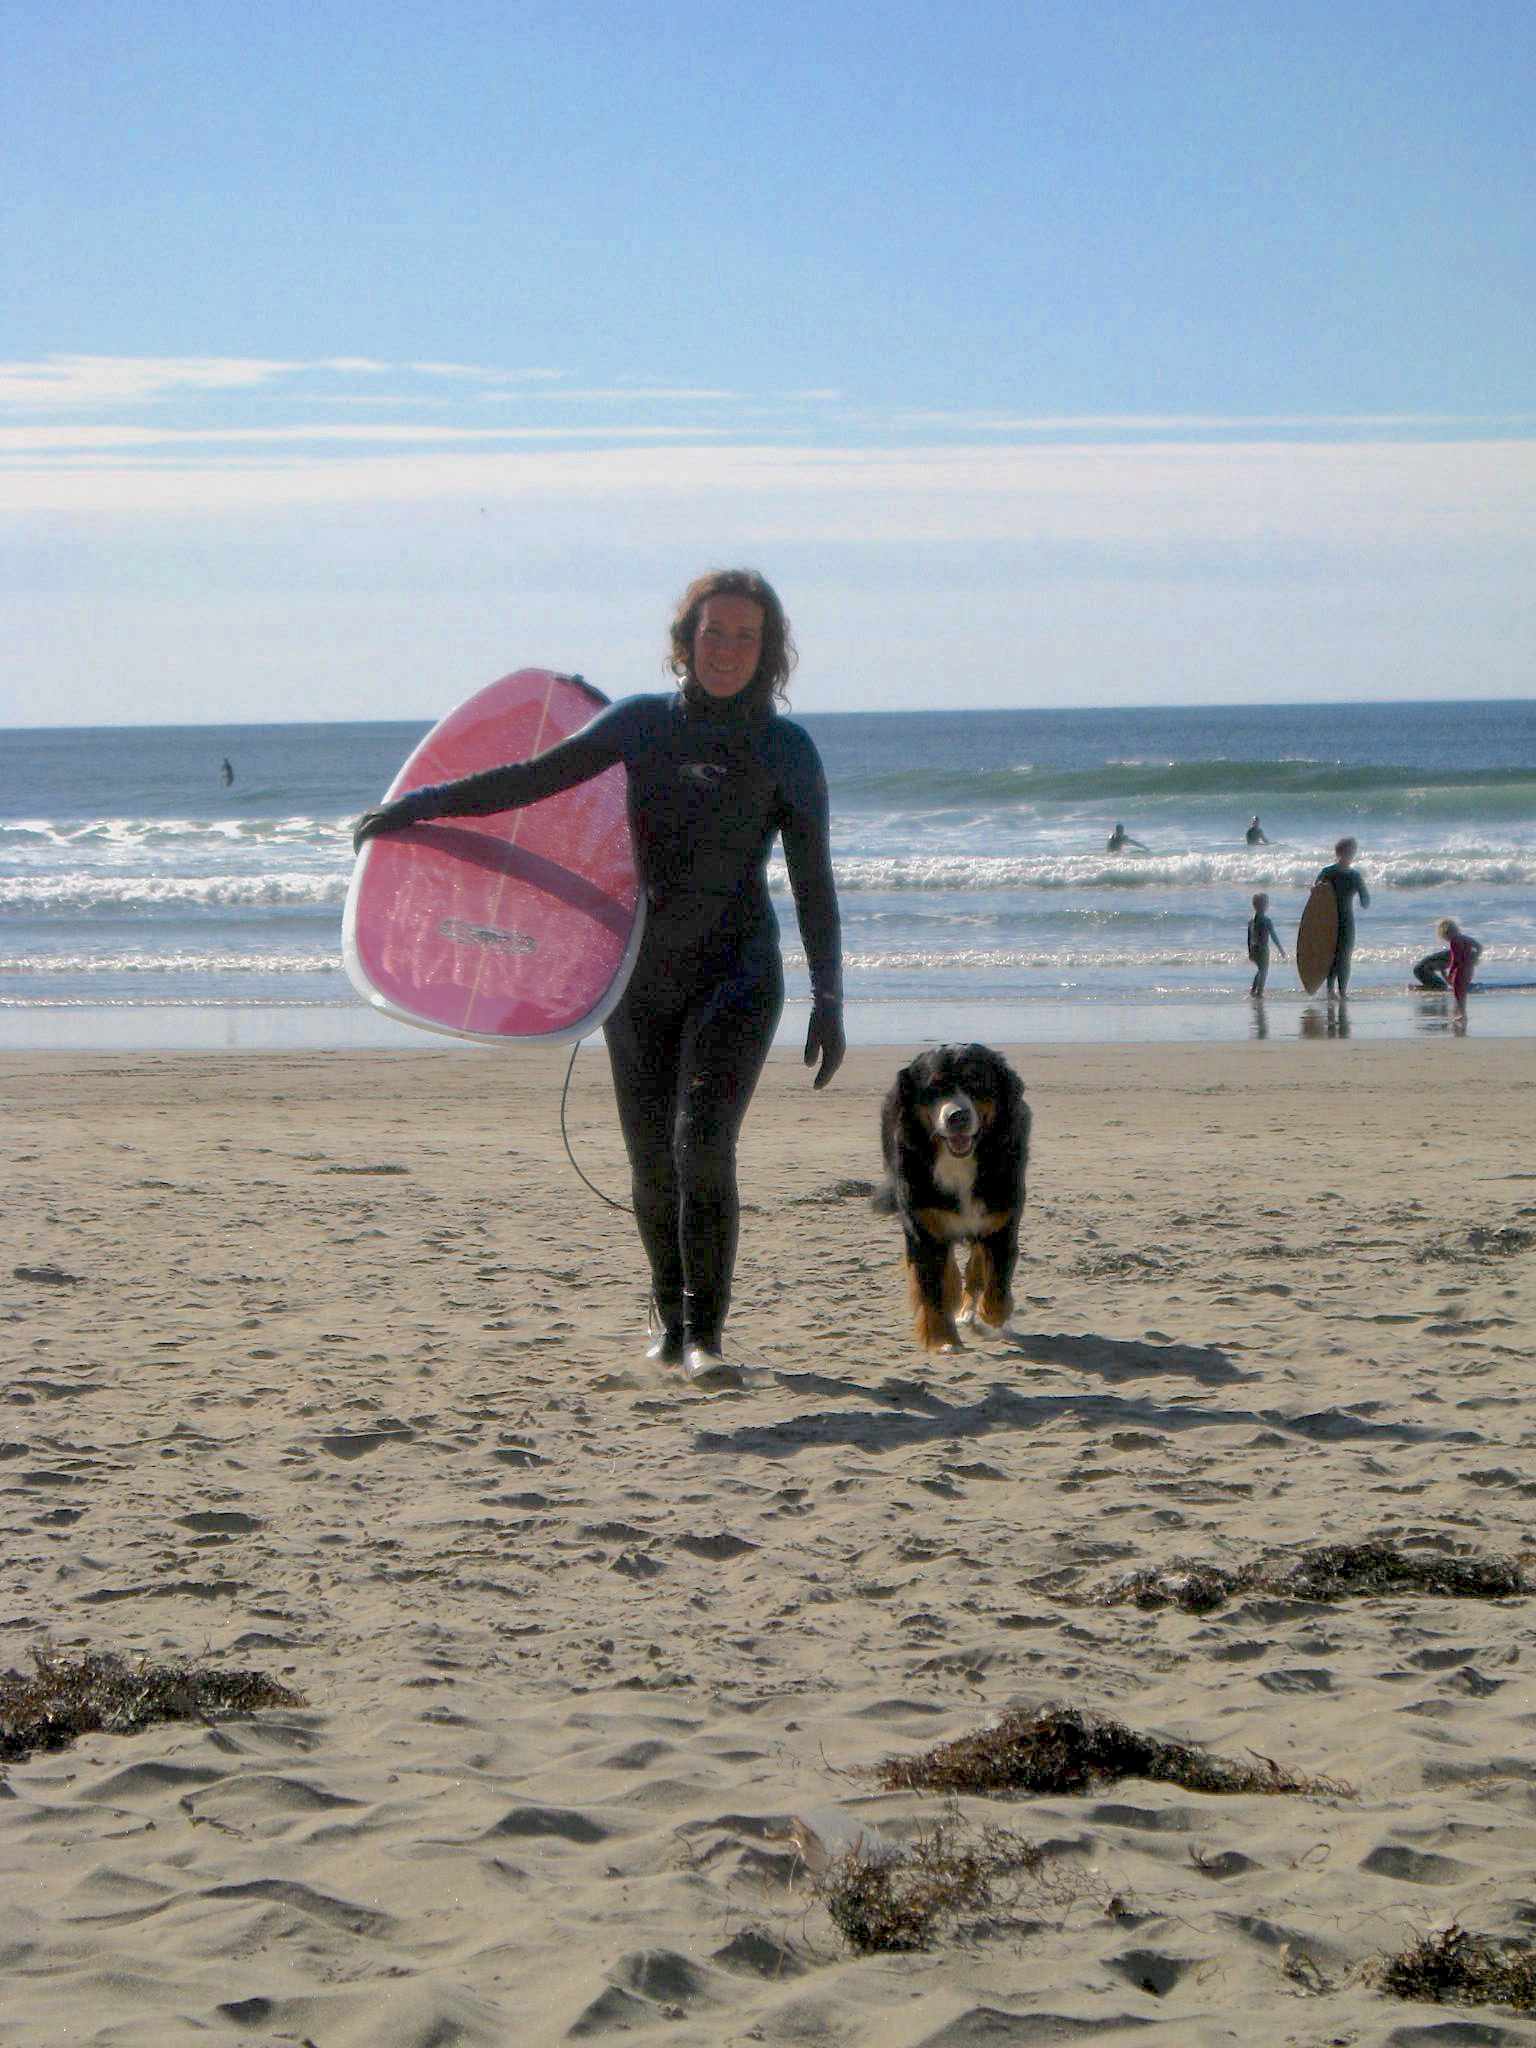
(957, 1177)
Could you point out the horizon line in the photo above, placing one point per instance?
(1203, 709)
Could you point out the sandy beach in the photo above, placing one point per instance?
(326, 1364)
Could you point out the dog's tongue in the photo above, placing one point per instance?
(959, 1146)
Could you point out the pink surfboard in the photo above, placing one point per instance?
(523, 925)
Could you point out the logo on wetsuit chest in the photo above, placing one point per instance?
(465, 934)
(707, 774)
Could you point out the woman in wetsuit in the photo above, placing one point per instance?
(715, 775)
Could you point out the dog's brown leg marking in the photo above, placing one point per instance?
(933, 1322)
(970, 1298)
(952, 1286)
(993, 1306)
(984, 1296)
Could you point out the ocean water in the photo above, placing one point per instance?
(970, 850)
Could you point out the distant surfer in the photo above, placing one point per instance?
(1119, 839)
(226, 772)
(1452, 968)
(1261, 936)
(1255, 835)
(1347, 884)
(715, 776)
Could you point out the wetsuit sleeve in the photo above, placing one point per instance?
(1362, 892)
(577, 759)
(805, 825)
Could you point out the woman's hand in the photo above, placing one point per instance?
(388, 818)
(825, 1037)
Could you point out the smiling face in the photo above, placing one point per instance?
(954, 1091)
(727, 644)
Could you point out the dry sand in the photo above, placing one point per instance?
(345, 1383)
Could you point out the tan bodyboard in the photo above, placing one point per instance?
(1317, 937)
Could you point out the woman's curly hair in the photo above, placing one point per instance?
(778, 656)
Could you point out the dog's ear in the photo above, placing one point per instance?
(906, 1087)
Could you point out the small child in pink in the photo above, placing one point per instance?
(1465, 953)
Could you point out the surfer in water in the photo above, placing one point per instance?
(1120, 838)
(715, 776)
(1347, 884)
(1256, 835)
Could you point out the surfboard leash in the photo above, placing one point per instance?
(623, 1208)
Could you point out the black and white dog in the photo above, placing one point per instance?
(954, 1132)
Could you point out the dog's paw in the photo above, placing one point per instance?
(966, 1319)
(994, 1311)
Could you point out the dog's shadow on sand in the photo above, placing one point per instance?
(899, 1413)
(1119, 1358)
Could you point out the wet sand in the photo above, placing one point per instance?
(326, 1364)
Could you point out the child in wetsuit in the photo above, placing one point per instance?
(1261, 936)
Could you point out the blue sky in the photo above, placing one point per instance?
(351, 355)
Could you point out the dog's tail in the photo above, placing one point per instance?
(883, 1200)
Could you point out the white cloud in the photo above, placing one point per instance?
(61, 382)
(477, 373)
(1163, 426)
(1234, 497)
(269, 523)
(626, 393)
(185, 441)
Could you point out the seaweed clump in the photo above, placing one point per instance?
(882, 1903)
(1329, 1571)
(1060, 1750)
(834, 1191)
(1482, 1241)
(68, 1697)
(1459, 1968)
(1187, 1583)
(1337, 1571)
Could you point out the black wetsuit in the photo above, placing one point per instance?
(1261, 936)
(712, 783)
(1347, 885)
